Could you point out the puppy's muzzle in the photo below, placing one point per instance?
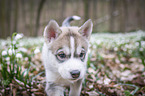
(75, 74)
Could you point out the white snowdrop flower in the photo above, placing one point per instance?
(16, 45)
(115, 48)
(90, 86)
(126, 45)
(7, 58)
(142, 43)
(11, 46)
(36, 51)
(8, 62)
(14, 42)
(10, 51)
(22, 49)
(100, 81)
(26, 58)
(124, 49)
(3, 43)
(18, 36)
(89, 45)
(94, 47)
(98, 42)
(130, 51)
(107, 81)
(129, 46)
(137, 44)
(141, 49)
(19, 55)
(21, 44)
(89, 51)
(4, 53)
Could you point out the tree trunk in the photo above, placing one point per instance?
(38, 16)
(16, 10)
(112, 9)
(138, 14)
(24, 13)
(2, 19)
(9, 6)
(142, 9)
(31, 16)
(86, 9)
(94, 9)
(121, 19)
(63, 10)
(125, 14)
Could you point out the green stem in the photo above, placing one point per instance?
(143, 63)
(136, 88)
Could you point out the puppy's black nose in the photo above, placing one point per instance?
(75, 73)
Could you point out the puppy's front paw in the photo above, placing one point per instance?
(54, 90)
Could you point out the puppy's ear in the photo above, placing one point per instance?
(86, 29)
(51, 31)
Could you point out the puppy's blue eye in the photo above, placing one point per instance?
(61, 56)
(82, 55)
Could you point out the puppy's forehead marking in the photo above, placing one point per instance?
(72, 44)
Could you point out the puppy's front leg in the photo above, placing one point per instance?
(54, 90)
(75, 88)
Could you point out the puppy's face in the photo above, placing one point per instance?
(69, 48)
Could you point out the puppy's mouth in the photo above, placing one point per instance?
(74, 79)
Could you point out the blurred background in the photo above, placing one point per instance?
(31, 16)
(116, 59)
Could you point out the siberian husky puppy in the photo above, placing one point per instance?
(64, 54)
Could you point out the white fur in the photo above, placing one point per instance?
(72, 46)
(76, 17)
